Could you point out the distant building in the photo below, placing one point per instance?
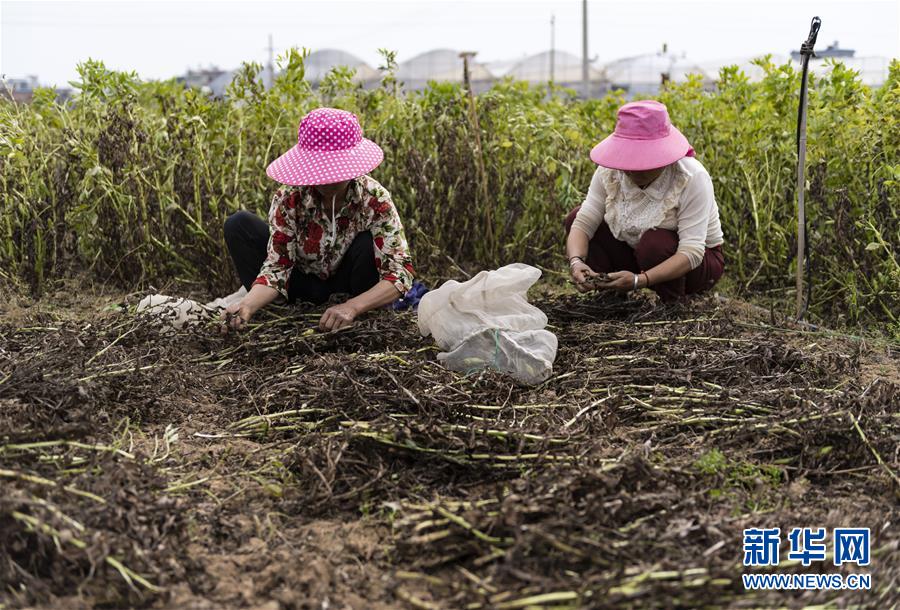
(20, 89)
(832, 50)
(212, 81)
(216, 87)
(873, 71)
(202, 77)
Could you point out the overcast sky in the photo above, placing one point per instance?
(162, 39)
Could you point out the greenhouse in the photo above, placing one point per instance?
(558, 66)
(747, 65)
(443, 65)
(643, 74)
(320, 63)
(873, 71)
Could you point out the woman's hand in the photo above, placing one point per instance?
(236, 316)
(338, 316)
(580, 273)
(623, 281)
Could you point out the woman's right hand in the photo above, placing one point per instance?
(236, 316)
(580, 273)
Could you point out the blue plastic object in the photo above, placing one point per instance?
(411, 299)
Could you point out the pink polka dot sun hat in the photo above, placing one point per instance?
(330, 148)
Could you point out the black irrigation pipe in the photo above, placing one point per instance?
(803, 257)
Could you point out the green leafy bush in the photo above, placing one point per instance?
(132, 180)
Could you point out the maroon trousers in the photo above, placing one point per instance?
(607, 254)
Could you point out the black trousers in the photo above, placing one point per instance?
(247, 238)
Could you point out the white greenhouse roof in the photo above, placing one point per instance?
(647, 70)
(441, 65)
(567, 68)
(873, 71)
(744, 64)
(319, 63)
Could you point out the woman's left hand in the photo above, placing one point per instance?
(623, 281)
(338, 316)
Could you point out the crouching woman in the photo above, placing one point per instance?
(331, 229)
(650, 218)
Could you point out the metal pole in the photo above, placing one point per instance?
(467, 83)
(806, 50)
(552, 48)
(585, 83)
(801, 209)
(271, 65)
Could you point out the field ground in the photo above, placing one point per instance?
(285, 468)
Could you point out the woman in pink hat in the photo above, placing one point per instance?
(331, 228)
(650, 217)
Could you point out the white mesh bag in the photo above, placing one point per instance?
(487, 321)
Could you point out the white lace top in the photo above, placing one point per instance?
(681, 199)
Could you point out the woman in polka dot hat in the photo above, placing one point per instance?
(331, 228)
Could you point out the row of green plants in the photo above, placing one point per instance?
(131, 181)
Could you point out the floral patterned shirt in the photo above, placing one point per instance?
(303, 234)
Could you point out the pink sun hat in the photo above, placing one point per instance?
(330, 148)
(644, 139)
